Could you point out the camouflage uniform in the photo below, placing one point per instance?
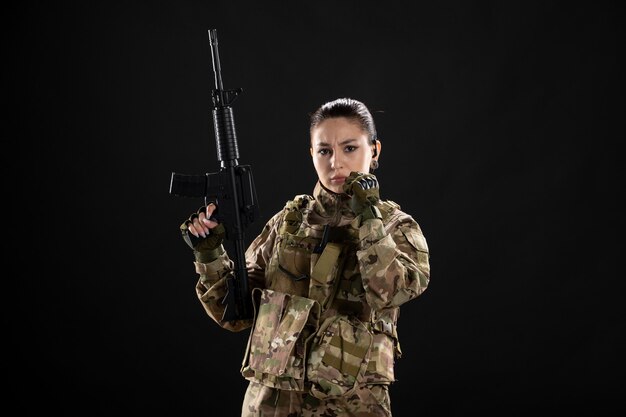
(324, 338)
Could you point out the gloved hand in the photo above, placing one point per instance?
(201, 232)
(364, 190)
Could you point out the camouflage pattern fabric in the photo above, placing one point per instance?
(365, 401)
(356, 282)
(276, 344)
(339, 357)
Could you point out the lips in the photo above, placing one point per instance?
(337, 179)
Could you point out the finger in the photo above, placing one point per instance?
(209, 223)
(210, 209)
(202, 230)
(192, 230)
(205, 229)
(205, 219)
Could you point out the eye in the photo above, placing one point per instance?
(350, 148)
(324, 151)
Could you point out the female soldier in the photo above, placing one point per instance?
(328, 274)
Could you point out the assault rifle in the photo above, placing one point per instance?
(231, 188)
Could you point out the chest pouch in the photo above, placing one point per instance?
(290, 266)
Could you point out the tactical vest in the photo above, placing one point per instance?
(310, 331)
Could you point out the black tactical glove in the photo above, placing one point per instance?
(364, 190)
(208, 245)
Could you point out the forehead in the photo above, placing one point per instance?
(338, 128)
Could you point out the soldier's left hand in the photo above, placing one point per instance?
(364, 190)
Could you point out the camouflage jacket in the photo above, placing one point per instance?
(326, 314)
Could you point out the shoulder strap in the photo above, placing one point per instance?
(293, 213)
(299, 202)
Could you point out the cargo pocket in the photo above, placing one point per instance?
(418, 242)
(276, 347)
(338, 358)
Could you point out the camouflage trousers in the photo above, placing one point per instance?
(366, 401)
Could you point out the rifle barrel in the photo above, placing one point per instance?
(217, 68)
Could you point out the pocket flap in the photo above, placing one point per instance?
(279, 322)
(415, 238)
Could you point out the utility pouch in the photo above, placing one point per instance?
(324, 271)
(289, 267)
(338, 358)
(276, 350)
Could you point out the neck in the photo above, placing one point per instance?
(331, 207)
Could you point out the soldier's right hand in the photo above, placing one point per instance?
(201, 231)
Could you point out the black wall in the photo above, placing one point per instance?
(500, 124)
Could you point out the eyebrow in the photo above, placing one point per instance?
(344, 142)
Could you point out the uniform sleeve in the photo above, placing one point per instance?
(394, 263)
(211, 286)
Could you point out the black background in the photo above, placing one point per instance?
(499, 121)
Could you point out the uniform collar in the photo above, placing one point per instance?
(332, 208)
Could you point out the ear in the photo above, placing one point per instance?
(311, 150)
(376, 149)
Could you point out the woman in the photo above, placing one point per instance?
(329, 273)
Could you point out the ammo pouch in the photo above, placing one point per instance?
(276, 350)
(339, 357)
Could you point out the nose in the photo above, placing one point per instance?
(336, 162)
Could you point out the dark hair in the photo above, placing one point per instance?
(349, 108)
